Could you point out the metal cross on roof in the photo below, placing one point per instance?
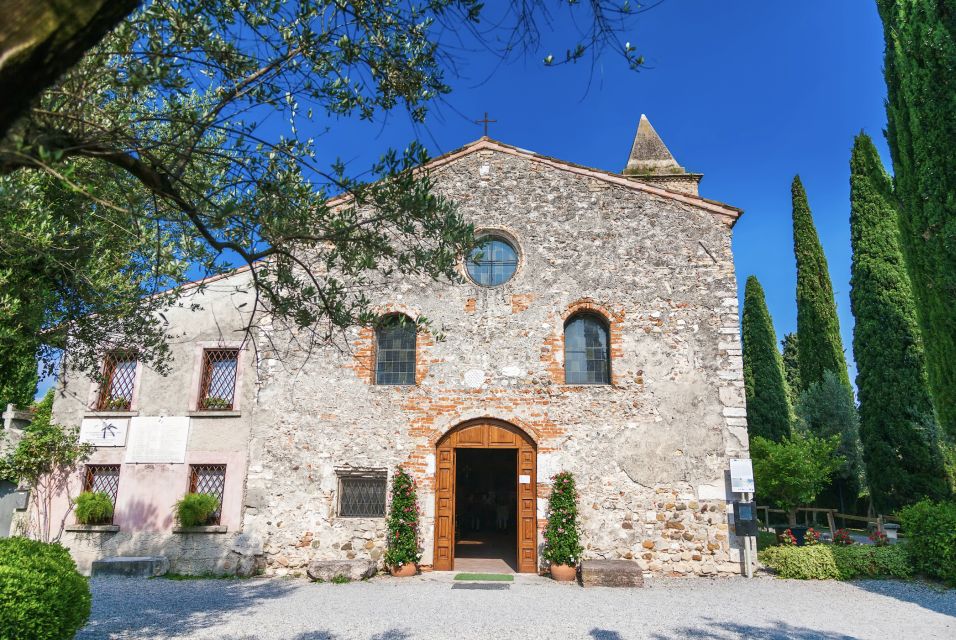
(485, 122)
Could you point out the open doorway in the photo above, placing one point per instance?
(486, 504)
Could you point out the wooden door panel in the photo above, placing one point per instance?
(490, 435)
(445, 510)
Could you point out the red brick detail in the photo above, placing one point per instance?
(470, 305)
(521, 301)
(363, 353)
(552, 351)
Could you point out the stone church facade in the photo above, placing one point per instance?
(601, 339)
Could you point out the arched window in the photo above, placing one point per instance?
(395, 351)
(587, 354)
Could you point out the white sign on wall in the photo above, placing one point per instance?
(157, 439)
(104, 432)
(741, 475)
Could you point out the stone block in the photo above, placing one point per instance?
(611, 573)
(326, 570)
(131, 566)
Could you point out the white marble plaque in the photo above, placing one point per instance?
(157, 439)
(104, 432)
(524, 479)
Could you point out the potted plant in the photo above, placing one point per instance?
(793, 471)
(215, 403)
(562, 544)
(94, 507)
(117, 404)
(403, 553)
(196, 509)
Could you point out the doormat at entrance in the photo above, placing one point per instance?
(481, 587)
(487, 577)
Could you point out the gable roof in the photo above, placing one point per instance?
(724, 212)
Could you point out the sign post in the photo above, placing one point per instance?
(745, 510)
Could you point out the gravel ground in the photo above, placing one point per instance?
(433, 606)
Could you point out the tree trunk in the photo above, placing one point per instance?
(40, 39)
(792, 517)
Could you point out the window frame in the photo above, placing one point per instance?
(205, 378)
(193, 483)
(194, 390)
(387, 322)
(89, 475)
(344, 476)
(491, 236)
(605, 325)
(102, 389)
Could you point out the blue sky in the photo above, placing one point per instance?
(747, 92)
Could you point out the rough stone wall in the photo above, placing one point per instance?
(649, 451)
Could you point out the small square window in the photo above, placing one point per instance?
(362, 495)
(218, 385)
(119, 378)
(209, 479)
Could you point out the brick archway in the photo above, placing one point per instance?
(485, 433)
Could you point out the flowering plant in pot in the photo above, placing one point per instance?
(562, 540)
(403, 553)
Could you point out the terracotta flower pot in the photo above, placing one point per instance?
(404, 571)
(564, 572)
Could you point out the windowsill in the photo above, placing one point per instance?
(213, 528)
(214, 413)
(92, 528)
(111, 414)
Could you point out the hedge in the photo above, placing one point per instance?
(42, 596)
(829, 562)
(930, 529)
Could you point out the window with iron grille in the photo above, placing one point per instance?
(218, 385)
(119, 377)
(103, 478)
(587, 358)
(395, 352)
(209, 479)
(362, 495)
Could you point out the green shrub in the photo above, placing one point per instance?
(801, 563)
(196, 509)
(869, 561)
(930, 529)
(562, 538)
(833, 562)
(94, 508)
(402, 523)
(42, 596)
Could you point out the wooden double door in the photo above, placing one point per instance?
(486, 434)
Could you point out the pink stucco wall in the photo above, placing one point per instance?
(148, 493)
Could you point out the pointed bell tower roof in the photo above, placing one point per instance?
(649, 154)
(651, 162)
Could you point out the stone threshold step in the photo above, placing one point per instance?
(611, 573)
(132, 566)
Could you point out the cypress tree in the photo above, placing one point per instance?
(791, 367)
(920, 69)
(818, 328)
(900, 449)
(768, 407)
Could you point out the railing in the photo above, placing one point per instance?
(831, 515)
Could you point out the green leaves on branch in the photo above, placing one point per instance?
(792, 472)
(185, 144)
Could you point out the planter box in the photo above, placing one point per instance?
(92, 528)
(214, 528)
